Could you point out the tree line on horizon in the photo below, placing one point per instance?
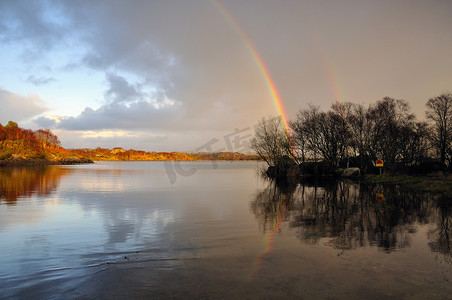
(17, 142)
(119, 154)
(354, 135)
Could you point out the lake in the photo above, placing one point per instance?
(214, 230)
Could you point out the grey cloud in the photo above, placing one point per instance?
(17, 107)
(39, 80)
(150, 115)
(31, 21)
(141, 114)
(120, 90)
(186, 51)
(44, 122)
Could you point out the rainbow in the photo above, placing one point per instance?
(333, 80)
(328, 65)
(259, 62)
(269, 239)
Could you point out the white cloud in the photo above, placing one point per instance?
(17, 107)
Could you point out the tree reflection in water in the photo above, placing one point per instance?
(355, 214)
(20, 182)
(440, 236)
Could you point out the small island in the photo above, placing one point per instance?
(382, 143)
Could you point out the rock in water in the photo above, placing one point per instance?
(351, 172)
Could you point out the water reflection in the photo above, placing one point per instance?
(352, 214)
(22, 182)
(121, 230)
(440, 236)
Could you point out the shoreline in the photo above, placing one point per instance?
(438, 185)
(24, 162)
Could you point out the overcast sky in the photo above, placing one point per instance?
(173, 75)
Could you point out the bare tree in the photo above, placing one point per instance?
(299, 141)
(360, 134)
(270, 140)
(342, 115)
(47, 138)
(306, 132)
(323, 134)
(390, 121)
(414, 144)
(439, 112)
(300, 137)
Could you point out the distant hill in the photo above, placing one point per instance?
(226, 156)
(119, 154)
(20, 146)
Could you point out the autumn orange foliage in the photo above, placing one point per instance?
(25, 182)
(119, 154)
(23, 144)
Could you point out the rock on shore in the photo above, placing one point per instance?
(351, 172)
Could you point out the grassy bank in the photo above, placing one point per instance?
(438, 185)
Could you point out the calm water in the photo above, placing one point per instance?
(121, 230)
